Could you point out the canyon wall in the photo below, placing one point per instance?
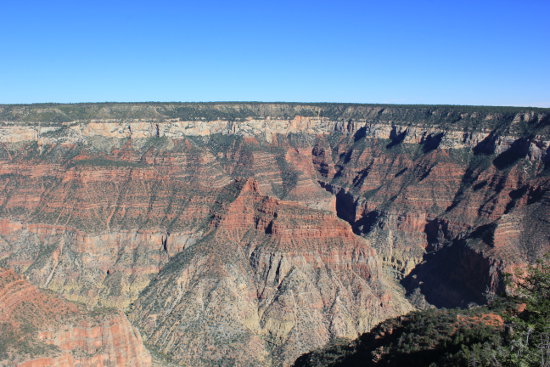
(228, 232)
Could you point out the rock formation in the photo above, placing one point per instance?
(41, 329)
(269, 276)
(227, 231)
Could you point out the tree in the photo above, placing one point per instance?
(528, 327)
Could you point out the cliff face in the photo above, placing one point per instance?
(224, 228)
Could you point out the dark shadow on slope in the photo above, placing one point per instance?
(515, 195)
(478, 186)
(346, 157)
(487, 146)
(431, 142)
(360, 134)
(345, 206)
(346, 209)
(546, 161)
(437, 232)
(454, 276)
(401, 172)
(366, 223)
(518, 150)
(426, 173)
(486, 233)
(476, 167)
(396, 138)
(536, 195)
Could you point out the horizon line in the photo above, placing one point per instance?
(276, 102)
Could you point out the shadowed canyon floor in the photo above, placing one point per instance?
(247, 234)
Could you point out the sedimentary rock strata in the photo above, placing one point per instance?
(42, 329)
(228, 232)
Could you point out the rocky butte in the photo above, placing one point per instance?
(247, 234)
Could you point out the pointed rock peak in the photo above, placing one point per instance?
(249, 185)
(250, 190)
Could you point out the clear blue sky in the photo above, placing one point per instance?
(440, 51)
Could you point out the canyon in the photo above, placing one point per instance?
(248, 234)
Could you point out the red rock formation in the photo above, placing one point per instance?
(271, 271)
(230, 226)
(41, 329)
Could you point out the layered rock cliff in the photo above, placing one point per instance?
(269, 279)
(227, 230)
(42, 329)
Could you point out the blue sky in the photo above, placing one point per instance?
(433, 52)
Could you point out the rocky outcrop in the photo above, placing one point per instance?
(42, 329)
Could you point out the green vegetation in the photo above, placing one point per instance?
(472, 117)
(529, 330)
(7, 339)
(512, 332)
(288, 175)
(160, 357)
(22, 341)
(105, 163)
(155, 142)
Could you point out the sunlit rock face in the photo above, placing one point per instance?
(248, 234)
